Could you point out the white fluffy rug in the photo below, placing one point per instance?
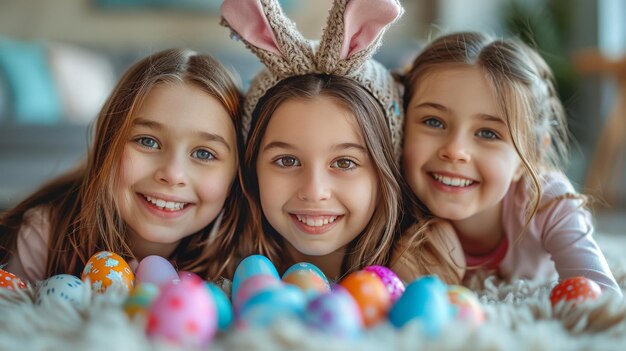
(519, 318)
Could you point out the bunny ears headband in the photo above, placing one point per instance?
(353, 33)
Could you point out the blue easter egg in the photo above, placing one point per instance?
(222, 305)
(63, 287)
(267, 306)
(250, 266)
(425, 299)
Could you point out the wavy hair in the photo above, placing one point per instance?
(83, 213)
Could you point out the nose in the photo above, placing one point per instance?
(172, 171)
(455, 149)
(314, 186)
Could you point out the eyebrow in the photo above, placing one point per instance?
(158, 127)
(439, 107)
(342, 146)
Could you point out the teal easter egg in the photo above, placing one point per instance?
(425, 299)
(251, 266)
(222, 305)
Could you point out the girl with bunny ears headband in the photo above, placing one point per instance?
(323, 130)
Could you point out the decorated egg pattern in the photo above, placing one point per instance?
(577, 289)
(251, 266)
(106, 268)
(262, 309)
(7, 280)
(394, 285)
(310, 282)
(140, 299)
(370, 294)
(252, 286)
(183, 313)
(61, 286)
(466, 306)
(335, 313)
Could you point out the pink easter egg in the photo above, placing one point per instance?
(183, 313)
(155, 270)
(392, 282)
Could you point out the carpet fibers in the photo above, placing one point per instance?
(519, 317)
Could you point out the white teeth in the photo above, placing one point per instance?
(316, 221)
(456, 182)
(169, 205)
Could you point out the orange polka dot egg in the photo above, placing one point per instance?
(105, 269)
(576, 289)
(10, 281)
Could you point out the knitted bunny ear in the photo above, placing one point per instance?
(353, 33)
(271, 36)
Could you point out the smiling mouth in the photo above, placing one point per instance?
(453, 181)
(316, 221)
(164, 205)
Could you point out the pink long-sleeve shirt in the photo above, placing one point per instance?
(29, 261)
(558, 242)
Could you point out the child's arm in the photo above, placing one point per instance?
(568, 237)
(437, 251)
(29, 260)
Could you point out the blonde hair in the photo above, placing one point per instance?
(525, 88)
(84, 215)
(374, 244)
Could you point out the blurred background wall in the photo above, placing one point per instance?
(59, 60)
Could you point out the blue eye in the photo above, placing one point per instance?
(433, 122)
(344, 164)
(147, 142)
(487, 134)
(287, 161)
(202, 154)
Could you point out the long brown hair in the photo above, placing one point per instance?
(525, 88)
(82, 209)
(373, 245)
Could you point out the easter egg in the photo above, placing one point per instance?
(223, 307)
(576, 289)
(140, 299)
(308, 280)
(335, 313)
(251, 266)
(465, 304)
(183, 313)
(10, 281)
(252, 286)
(370, 294)
(426, 300)
(394, 285)
(106, 268)
(267, 306)
(63, 287)
(155, 270)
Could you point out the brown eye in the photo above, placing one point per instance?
(287, 161)
(344, 163)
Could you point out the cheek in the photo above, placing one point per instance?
(215, 187)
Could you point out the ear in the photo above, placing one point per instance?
(353, 32)
(246, 17)
(272, 37)
(364, 22)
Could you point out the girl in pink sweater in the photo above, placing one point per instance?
(484, 134)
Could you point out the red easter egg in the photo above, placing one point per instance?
(7, 279)
(576, 289)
